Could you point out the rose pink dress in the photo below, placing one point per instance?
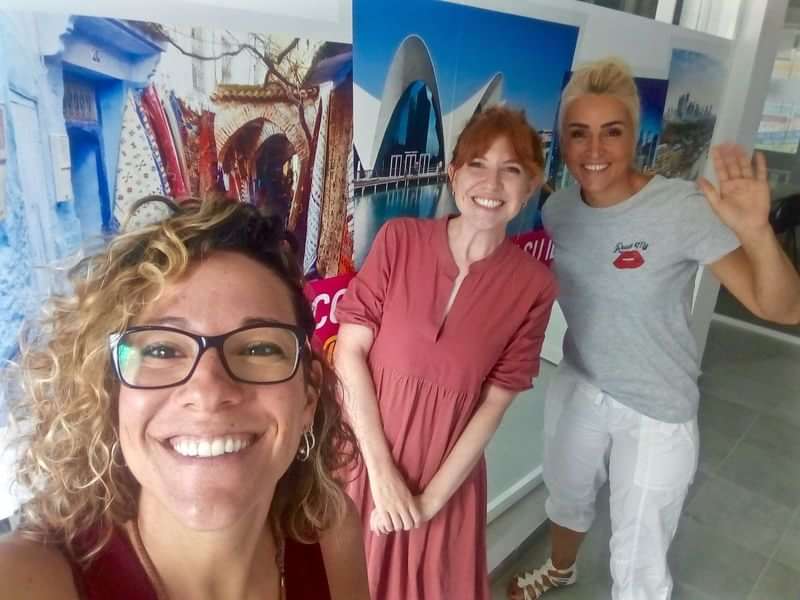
(428, 372)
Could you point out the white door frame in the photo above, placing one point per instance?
(755, 48)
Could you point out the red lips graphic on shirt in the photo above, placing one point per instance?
(629, 259)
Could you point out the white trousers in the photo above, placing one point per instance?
(591, 438)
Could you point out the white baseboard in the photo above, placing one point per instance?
(510, 496)
(513, 516)
(757, 329)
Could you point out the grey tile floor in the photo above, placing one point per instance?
(739, 536)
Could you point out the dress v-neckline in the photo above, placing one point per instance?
(452, 270)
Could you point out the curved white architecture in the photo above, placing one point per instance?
(489, 95)
(412, 62)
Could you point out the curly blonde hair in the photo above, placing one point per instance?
(609, 77)
(81, 488)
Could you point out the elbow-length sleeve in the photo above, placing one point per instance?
(519, 362)
(362, 303)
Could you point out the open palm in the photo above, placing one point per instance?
(743, 199)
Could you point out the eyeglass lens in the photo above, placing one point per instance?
(161, 357)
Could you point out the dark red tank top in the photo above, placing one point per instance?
(117, 573)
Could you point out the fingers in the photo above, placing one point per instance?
(743, 162)
(761, 166)
(732, 162)
(380, 522)
(730, 155)
(415, 512)
(376, 524)
(403, 518)
(720, 166)
(385, 524)
(373, 524)
(708, 190)
(396, 509)
(395, 520)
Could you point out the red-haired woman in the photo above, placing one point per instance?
(440, 330)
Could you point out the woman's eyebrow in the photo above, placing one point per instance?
(585, 126)
(169, 320)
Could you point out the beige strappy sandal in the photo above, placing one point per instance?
(531, 585)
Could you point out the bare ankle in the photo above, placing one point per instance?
(563, 564)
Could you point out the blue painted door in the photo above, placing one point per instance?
(84, 128)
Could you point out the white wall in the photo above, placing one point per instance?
(329, 20)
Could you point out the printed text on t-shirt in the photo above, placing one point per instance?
(630, 256)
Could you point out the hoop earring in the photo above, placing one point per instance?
(309, 442)
(116, 448)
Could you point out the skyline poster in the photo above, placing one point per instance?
(696, 81)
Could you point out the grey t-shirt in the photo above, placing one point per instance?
(626, 275)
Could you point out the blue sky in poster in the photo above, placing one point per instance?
(468, 46)
(653, 95)
(701, 75)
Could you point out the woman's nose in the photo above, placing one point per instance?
(210, 387)
(595, 145)
(493, 179)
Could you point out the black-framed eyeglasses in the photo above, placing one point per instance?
(152, 356)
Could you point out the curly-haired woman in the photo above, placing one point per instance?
(185, 435)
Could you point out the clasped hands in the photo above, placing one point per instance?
(396, 508)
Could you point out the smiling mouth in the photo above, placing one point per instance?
(490, 203)
(597, 167)
(210, 447)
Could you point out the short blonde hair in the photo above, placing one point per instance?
(72, 463)
(609, 77)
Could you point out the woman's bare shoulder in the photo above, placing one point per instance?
(33, 571)
(347, 529)
(343, 553)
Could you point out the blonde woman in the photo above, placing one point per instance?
(185, 434)
(623, 406)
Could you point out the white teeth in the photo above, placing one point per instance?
(600, 167)
(487, 202)
(188, 448)
(205, 448)
(217, 447)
